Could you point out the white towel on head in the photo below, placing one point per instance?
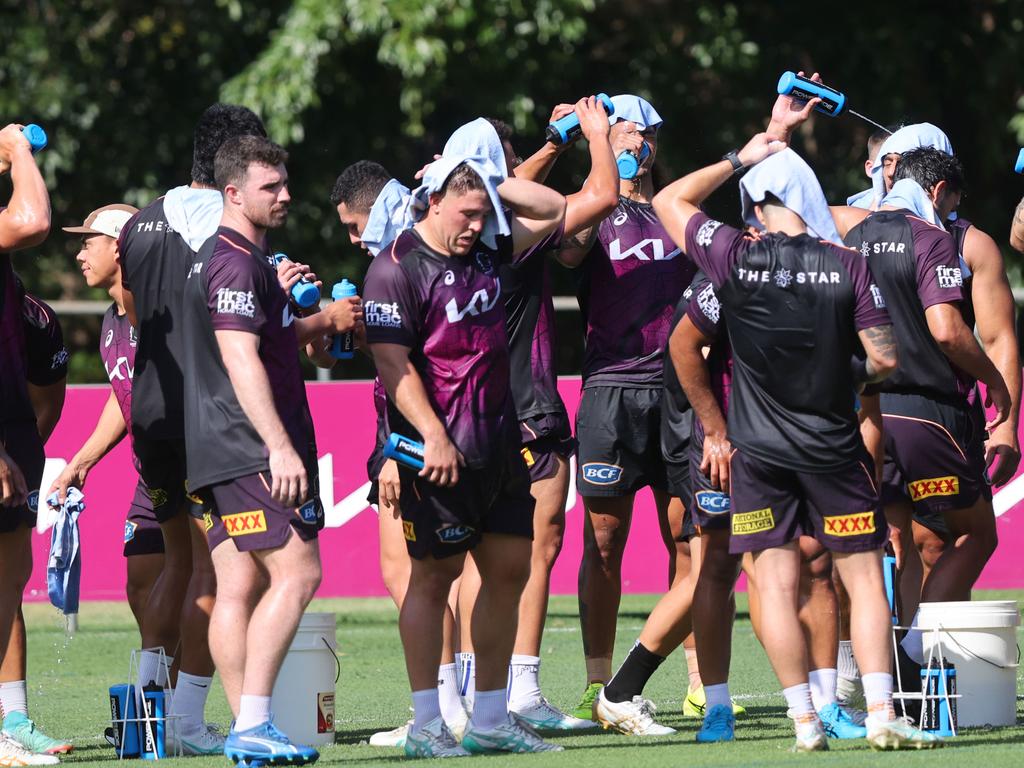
(437, 174)
(387, 217)
(478, 138)
(635, 110)
(908, 137)
(791, 180)
(907, 193)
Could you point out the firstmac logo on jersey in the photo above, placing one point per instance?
(949, 277)
(232, 302)
(382, 315)
(876, 296)
(706, 232)
(708, 303)
(602, 474)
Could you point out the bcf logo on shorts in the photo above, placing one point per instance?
(129, 530)
(713, 502)
(602, 474)
(308, 512)
(454, 534)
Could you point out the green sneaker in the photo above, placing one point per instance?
(585, 709)
(510, 736)
(19, 727)
(695, 703)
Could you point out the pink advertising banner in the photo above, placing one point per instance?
(344, 417)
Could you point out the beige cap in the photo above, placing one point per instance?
(107, 220)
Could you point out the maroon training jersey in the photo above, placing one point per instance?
(118, 344)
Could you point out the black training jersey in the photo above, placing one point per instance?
(44, 343)
(15, 404)
(154, 263)
(232, 286)
(958, 229)
(792, 307)
(530, 320)
(676, 416)
(916, 266)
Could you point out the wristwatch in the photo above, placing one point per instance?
(734, 158)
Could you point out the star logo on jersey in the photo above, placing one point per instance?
(850, 525)
(865, 248)
(245, 523)
(706, 232)
(620, 218)
(936, 486)
(783, 278)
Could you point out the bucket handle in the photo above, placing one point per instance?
(970, 653)
(337, 661)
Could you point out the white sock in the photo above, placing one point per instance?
(823, 687)
(426, 707)
(716, 695)
(846, 662)
(490, 710)
(467, 686)
(252, 711)
(149, 668)
(599, 669)
(523, 680)
(13, 698)
(189, 700)
(878, 694)
(913, 642)
(163, 672)
(798, 699)
(448, 694)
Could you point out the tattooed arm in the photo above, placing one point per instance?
(880, 345)
(1017, 228)
(575, 249)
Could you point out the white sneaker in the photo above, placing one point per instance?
(899, 734)
(540, 714)
(12, 755)
(393, 738)
(433, 740)
(634, 718)
(458, 725)
(205, 739)
(810, 734)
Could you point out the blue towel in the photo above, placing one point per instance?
(387, 217)
(862, 199)
(789, 178)
(907, 193)
(478, 138)
(636, 110)
(64, 568)
(916, 136)
(194, 213)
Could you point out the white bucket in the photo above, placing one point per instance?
(980, 638)
(303, 697)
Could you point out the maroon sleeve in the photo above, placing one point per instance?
(704, 310)
(939, 278)
(714, 246)
(236, 293)
(391, 306)
(869, 305)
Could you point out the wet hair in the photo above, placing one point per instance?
(358, 185)
(928, 167)
(877, 139)
(216, 125)
(231, 166)
(462, 180)
(503, 129)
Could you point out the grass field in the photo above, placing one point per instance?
(69, 677)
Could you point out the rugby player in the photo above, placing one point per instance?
(24, 222)
(799, 462)
(433, 306)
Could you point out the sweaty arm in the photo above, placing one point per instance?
(536, 209)
(110, 429)
(26, 219)
(406, 390)
(1017, 228)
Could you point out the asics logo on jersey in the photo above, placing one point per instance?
(382, 315)
(231, 302)
(640, 250)
(121, 370)
(620, 218)
(936, 486)
(850, 525)
(706, 232)
(602, 474)
(713, 502)
(478, 304)
(110, 338)
(949, 277)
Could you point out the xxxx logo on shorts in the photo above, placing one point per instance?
(408, 530)
(244, 523)
(936, 486)
(850, 525)
(752, 522)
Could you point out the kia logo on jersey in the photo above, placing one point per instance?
(602, 474)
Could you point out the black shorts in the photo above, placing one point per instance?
(22, 442)
(161, 464)
(243, 511)
(934, 455)
(710, 507)
(374, 464)
(441, 522)
(546, 438)
(142, 534)
(772, 506)
(619, 434)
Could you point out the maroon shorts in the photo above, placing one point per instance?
(934, 455)
(142, 534)
(243, 511)
(22, 443)
(441, 522)
(546, 438)
(772, 506)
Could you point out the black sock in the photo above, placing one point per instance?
(633, 675)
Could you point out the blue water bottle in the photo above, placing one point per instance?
(938, 684)
(36, 137)
(405, 450)
(305, 294)
(153, 723)
(122, 718)
(792, 84)
(629, 163)
(344, 346)
(889, 579)
(566, 129)
(1019, 165)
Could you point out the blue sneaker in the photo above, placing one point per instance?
(839, 725)
(719, 725)
(265, 745)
